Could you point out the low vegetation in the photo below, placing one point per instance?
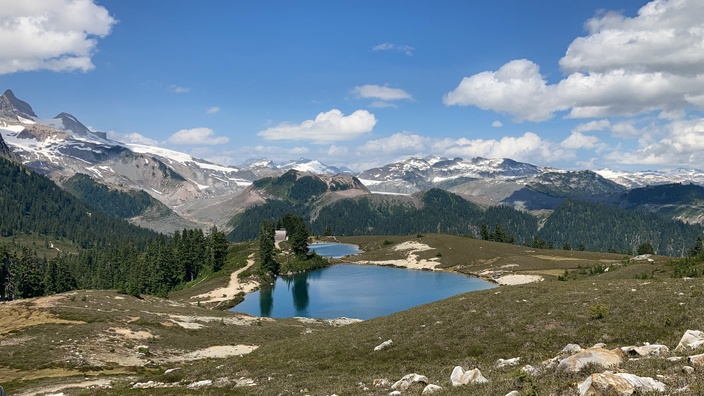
(77, 337)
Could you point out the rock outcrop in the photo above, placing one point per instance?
(408, 380)
(460, 377)
(620, 384)
(692, 339)
(603, 357)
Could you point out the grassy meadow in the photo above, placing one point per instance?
(585, 298)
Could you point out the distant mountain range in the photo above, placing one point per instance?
(202, 194)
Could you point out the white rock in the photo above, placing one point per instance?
(608, 383)
(570, 349)
(395, 393)
(696, 360)
(501, 363)
(603, 357)
(530, 370)
(688, 370)
(169, 371)
(383, 345)
(381, 382)
(199, 384)
(691, 339)
(431, 389)
(599, 345)
(408, 380)
(513, 393)
(646, 350)
(460, 377)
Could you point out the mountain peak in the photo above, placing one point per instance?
(10, 106)
(71, 123)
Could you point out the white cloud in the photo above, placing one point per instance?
(327, 127)
(178, 89)
(623, 67)
(529, 148)
(406, 49)
(298, 151)
(335, 150)
(597, 125)
(682, 145)
(398, 144)
(382, 92)
(213, 110)
(57, 35)
(497, 124)
(133, 137)
(578, 140)
(196, 136)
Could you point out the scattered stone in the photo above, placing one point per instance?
(501, 363)
(530, 370)
(383, 345)
(608, 383)
(431, 389)
(199, 384)
(675, 358)
(147, 385)
(169, 371)
(460, 377)
(408, 380)
(513, 393)
(692, 339)
(599, 345)
(603, 357)
(688, 370)
(696, 360)
(395, 393)
(570, 349)
(381, 382)
(646, 350)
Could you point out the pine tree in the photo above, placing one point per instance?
(266, 247)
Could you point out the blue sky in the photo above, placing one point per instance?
(574, 84)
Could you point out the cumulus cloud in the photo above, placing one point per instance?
(196, 136)
(623, 67)
(682, 145)
(406, 49)
(398, 144)
(578, 140)
(529, 148)
(327, 127)
(497, 124)
(57, 35)
(598, 125)
(213, 110)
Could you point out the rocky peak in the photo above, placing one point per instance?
(12, 107)
(71, 123)
(5, 150)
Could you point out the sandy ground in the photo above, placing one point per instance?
(234, 287)
(518, 279)
(411, 261)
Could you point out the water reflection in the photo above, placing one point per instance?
(299, 290)
(266, 300)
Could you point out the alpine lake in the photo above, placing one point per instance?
(353, 290)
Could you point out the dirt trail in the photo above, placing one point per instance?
(234, 287)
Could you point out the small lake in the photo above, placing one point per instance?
(354, 291)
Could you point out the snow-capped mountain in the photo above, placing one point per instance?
(653, 177)
(415, 174)
(264, 167)
(62, 146)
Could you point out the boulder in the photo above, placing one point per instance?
(501, 363)
(696, 360)
(620, 384)
(530, 370)
(692, 339)
(395, 393)
(513, 393)
(408, 380)
(570, 349)
(603, 357)
(431, 389)
(688, 370)
(383, 345)
(646, 350)
(460, 377)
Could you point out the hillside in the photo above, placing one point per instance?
(155, 346)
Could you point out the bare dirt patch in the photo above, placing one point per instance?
(131, 334)
(214, 352)
(233, 288)
(16, 315)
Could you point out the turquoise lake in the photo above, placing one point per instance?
(354, 291)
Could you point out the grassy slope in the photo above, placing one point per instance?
(533, 321)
